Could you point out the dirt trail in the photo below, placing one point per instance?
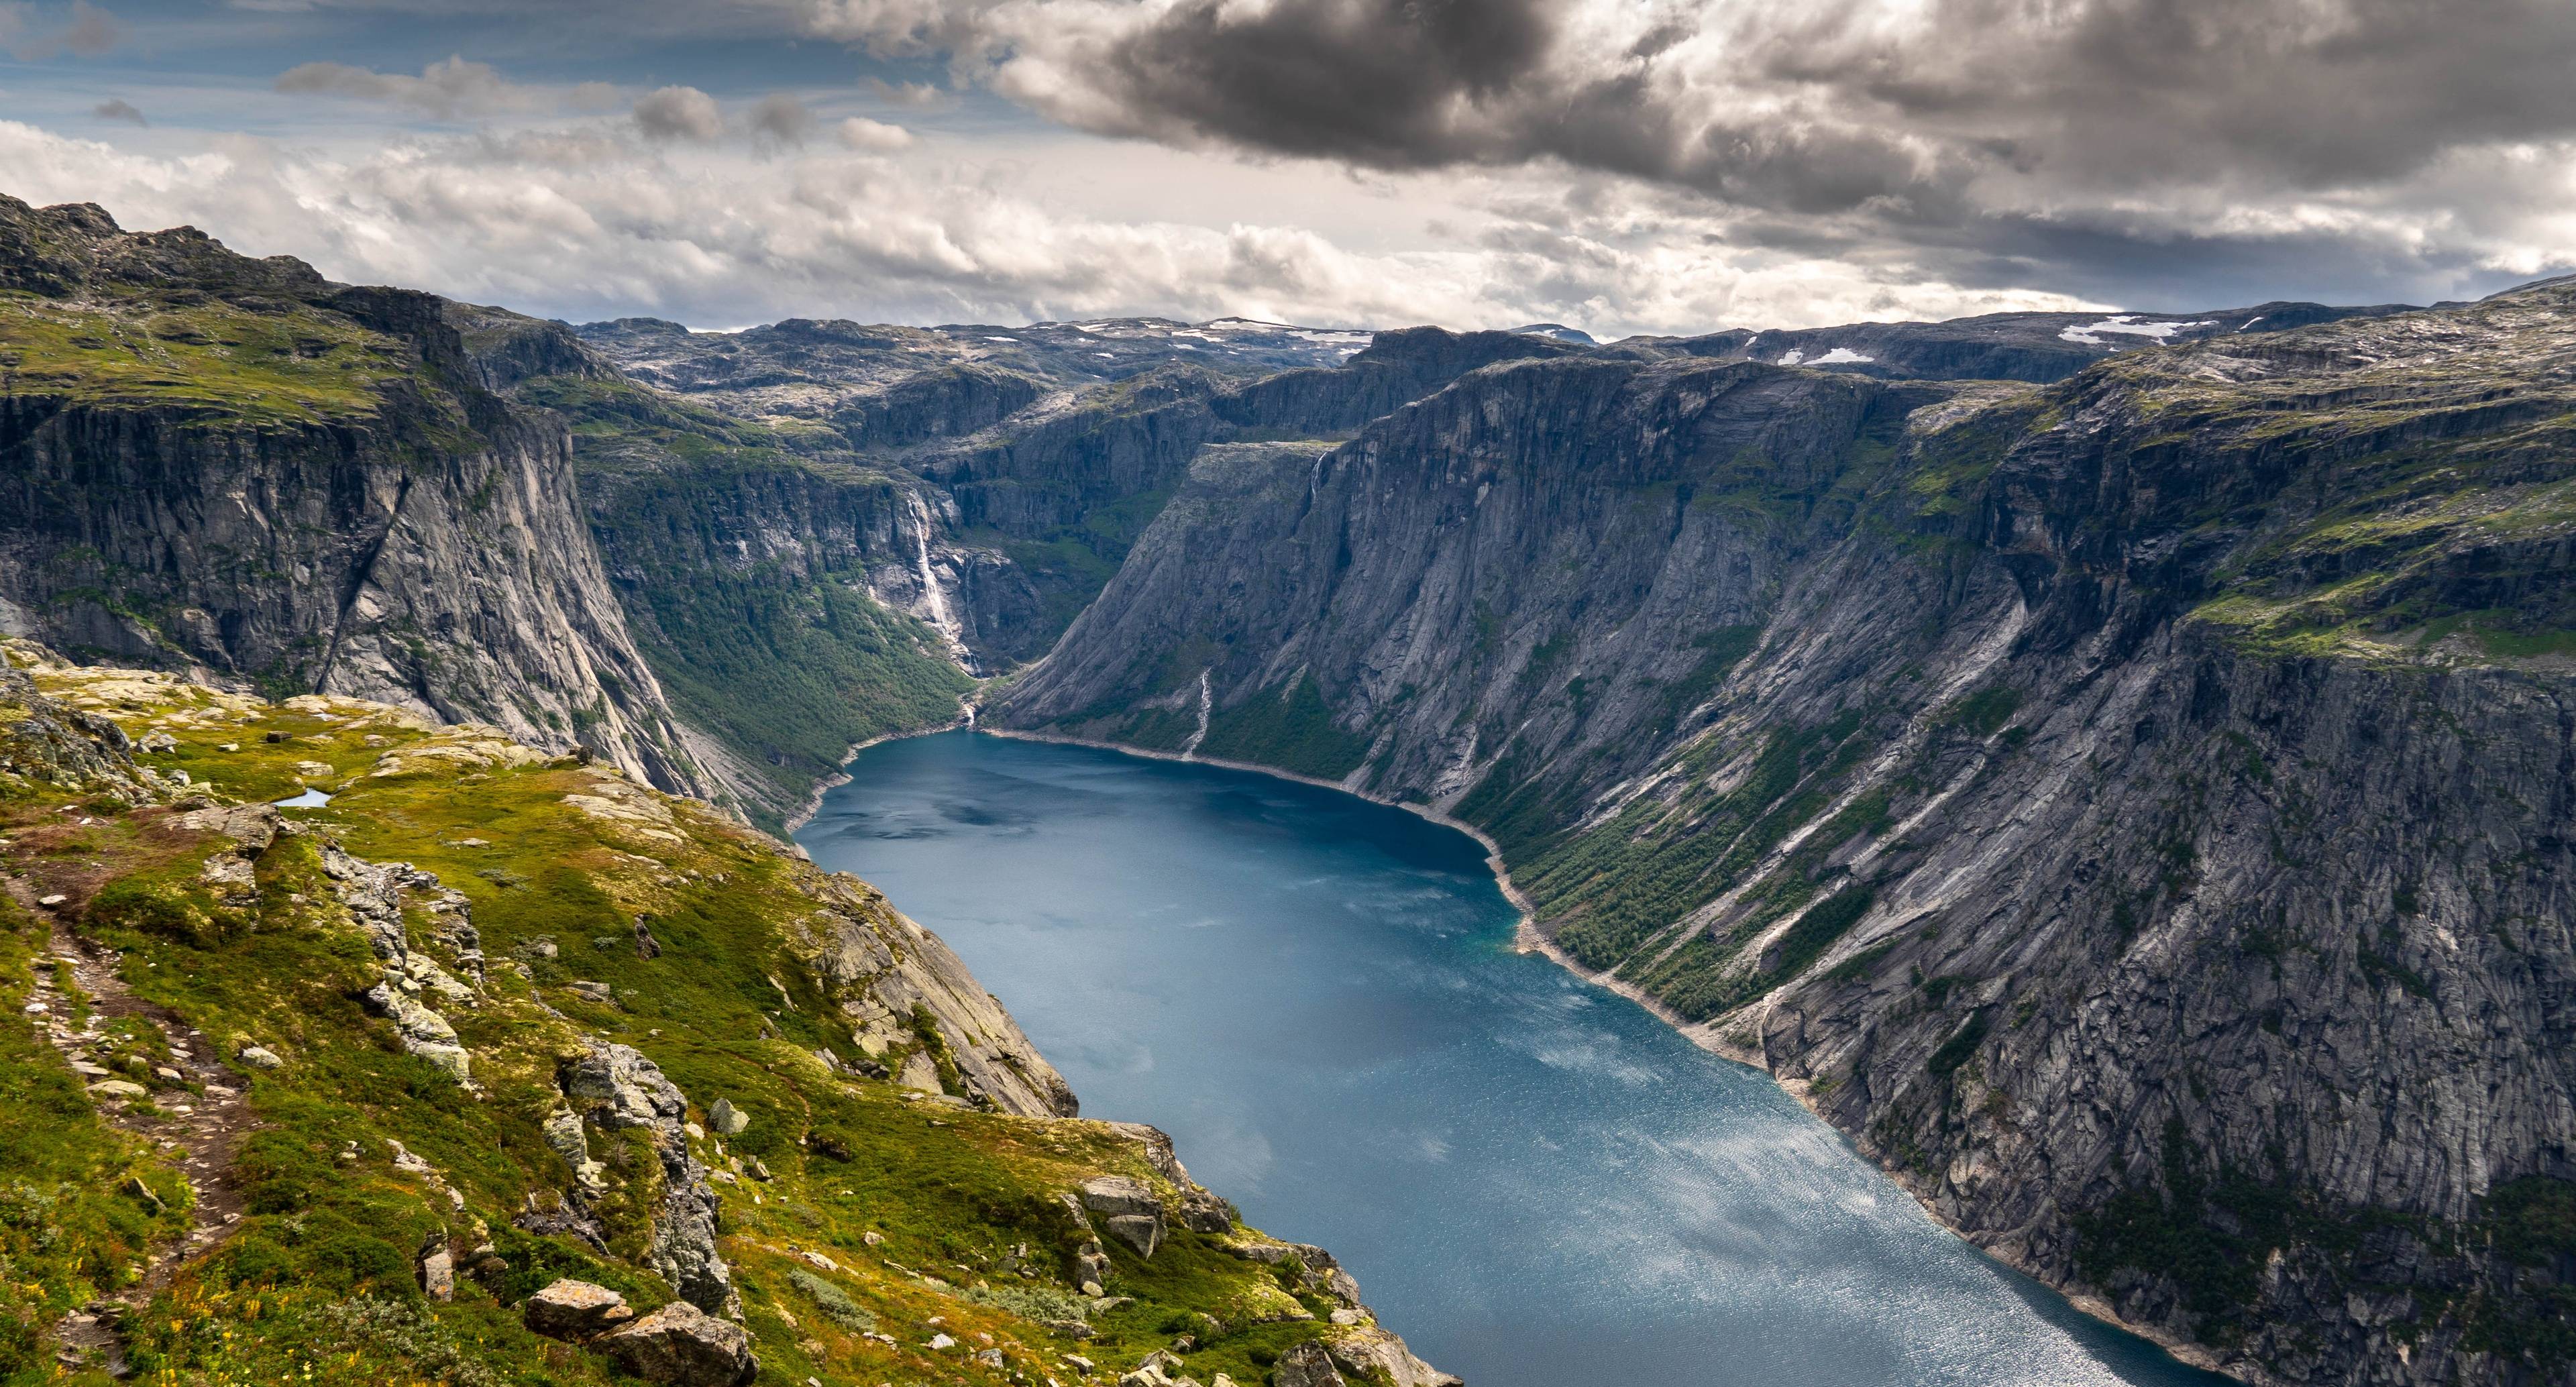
(200, 1131)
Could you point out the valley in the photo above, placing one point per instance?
(2113, 768)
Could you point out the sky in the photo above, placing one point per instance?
(1622, 166)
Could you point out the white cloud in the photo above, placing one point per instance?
(874, 136)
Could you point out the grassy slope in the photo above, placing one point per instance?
(286, 364)
(950, 1191)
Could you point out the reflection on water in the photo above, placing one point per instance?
(1536, 1183)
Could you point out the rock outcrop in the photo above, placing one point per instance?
(623, 1090)
(2133, 809)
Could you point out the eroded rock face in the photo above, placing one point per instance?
(683, 1346)
(890, 977)
(2104, 802)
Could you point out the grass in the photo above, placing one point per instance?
(920, 1206)
(295, 366)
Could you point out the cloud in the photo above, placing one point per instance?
(2064, 143)
(118, 109)
(679, 113)
(920, 96)
(859, 132)
(93, 30)
(88, 31)
(448, 89)
(782, 119)
(584, 224)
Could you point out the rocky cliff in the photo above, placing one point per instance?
(235, 468)
(500, 1067)
(2134, 808)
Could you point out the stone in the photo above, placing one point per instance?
(1120, 1194)
(1204, 1212)
(725, 1119)
(57, 898)
(1090, 1267)
(1373, 1354)
(1306, 1365)
(1143, 1232)
(681, 1345)
(438, 1273)
(168, 1075)
(260, 1057)
(571, 1309)
(119, 1088)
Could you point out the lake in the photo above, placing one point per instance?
(1536, 1182)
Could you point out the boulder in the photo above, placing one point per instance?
(1090, 1268)
(683, 1346)
(571, 1309)
(1374, 1354)
(724, 1119)
(438, 1273)
(1117, 1194)
(1306, 1365)
(260, 1057)
(119, 1088)
(1204, 1212)
(1135, 1212)
(1143, 1232)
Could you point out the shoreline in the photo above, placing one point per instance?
(840, 775)
(1527, 938)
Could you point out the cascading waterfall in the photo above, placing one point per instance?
(933, 597)
(1206, 704)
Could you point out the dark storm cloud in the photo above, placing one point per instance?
(1815, 105)
(1981, 133)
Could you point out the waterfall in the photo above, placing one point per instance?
(933, 598)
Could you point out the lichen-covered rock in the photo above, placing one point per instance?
(682, 1346)
(570, 1309)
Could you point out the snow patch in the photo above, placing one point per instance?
(1792, 357)
(2127, 323)
(1841, 356)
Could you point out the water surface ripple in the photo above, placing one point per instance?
(1536, 1182)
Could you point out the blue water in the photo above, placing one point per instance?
(1536, 1182)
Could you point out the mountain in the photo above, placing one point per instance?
(2133, 808)
(2113, 766)
(237, 469)
(500, 1067)
(2034, 347)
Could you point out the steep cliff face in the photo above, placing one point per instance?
(234, 467)
(2134, 809)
